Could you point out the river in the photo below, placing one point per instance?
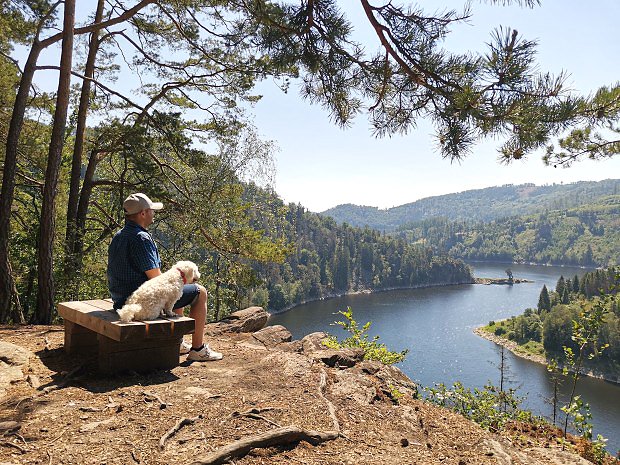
(436, 325)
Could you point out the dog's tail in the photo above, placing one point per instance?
(128, 311)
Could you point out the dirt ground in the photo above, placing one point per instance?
(68, 414)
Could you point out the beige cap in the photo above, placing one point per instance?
(135, 203)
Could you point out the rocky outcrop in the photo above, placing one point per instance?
(271, 336)
(248, 320)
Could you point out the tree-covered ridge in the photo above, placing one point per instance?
(588, 235)
(479, 204)
(548, 328)
(328, 259)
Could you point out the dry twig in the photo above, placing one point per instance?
(16, 446)
(254, 413)
(171, 432)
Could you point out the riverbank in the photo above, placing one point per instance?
(519, 351)
(369, 291)
(484, 281)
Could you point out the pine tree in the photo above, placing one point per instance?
(544, 303)
(559, 287)
(576, 284)
(565, 296)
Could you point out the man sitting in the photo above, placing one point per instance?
(133, 258)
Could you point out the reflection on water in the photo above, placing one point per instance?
(436, 325)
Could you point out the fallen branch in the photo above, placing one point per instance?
(172, 431)
(276, 437)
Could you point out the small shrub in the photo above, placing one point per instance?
(373, 350)
(489, 407)
(499, 331)
(491, 323)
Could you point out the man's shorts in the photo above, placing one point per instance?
(190, 294)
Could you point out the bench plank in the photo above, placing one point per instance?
(97, 315)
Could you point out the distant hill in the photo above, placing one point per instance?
(588, 235)
(478, 205)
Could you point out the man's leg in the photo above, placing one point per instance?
(198, 311)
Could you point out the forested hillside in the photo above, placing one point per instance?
(588, 235)
(326, 259)
(478, 205)
(549, 327)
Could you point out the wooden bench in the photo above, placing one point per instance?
(92, 326)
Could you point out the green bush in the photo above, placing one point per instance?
(499, 331)
(373, 350)
(489, 407)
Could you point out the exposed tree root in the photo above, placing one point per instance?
(254, 413)
(276, 437)
(172, 431)
(330, 406)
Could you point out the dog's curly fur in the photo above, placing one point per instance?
(158, 295)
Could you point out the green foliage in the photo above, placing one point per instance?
(373, 350)
(489, 407)
(596, 136)
(329, 259)
(544, 303)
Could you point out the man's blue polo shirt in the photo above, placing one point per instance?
(131, 253)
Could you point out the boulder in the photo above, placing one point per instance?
(14, 355)
(390, 378)
(248, 320)
(271, 336)
(353, 386)
(314, 342)
(293, 346)
(344, 358)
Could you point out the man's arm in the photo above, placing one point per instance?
(152, 273)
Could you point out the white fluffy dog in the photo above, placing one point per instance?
(159, 294)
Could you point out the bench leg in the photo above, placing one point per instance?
(144, 355)
(79, 340)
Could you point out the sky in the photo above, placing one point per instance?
(320, 165)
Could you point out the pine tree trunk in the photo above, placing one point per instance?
(9, 301)
(72, 261)
(45, 292)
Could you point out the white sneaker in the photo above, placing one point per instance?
(206, 354)
(185, 348)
